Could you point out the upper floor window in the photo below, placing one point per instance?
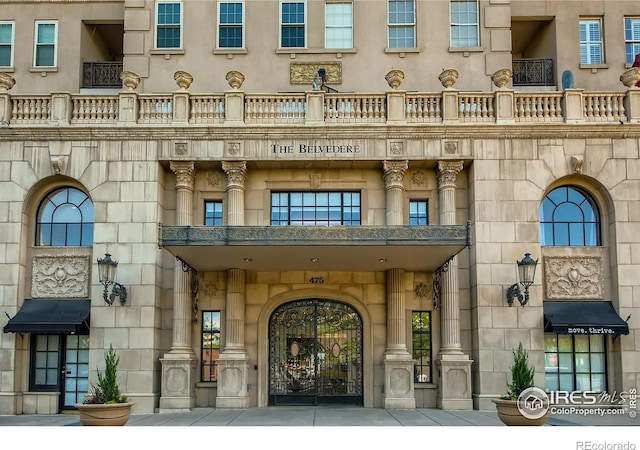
(46, 41)
(631, 38)
(213, 213)
(315, 208)
(569, 217)
(591, 41)
(230, 25)
(465, 24)
(7, 30)
(169, 25)
(292, 24)
(338, 22)
(65, 218)
(402, 24)
(421, 345)
(210, 349)
(418, 212)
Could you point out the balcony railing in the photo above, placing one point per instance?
(504, 106)
(105, 75)
(533, 72)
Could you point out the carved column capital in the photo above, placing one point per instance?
(185, 174)
(236, 173)
(447, 173)
(394, 173)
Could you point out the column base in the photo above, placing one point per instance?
(233, 375)
(178, 382)
(454, 388)
(398, 381)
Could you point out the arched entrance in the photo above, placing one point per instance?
(315, 354)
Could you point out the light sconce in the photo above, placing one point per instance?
(107, 273)
(526, 273)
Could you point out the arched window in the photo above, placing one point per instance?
(65, 218)
(569, 217)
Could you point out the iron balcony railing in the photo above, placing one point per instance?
(533, 72)
(104, 75)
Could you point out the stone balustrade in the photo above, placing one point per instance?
(503, 106)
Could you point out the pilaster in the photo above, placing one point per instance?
(454, 367)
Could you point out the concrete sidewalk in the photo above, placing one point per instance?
(310, 416)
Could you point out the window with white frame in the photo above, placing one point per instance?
(169, 25)
(631, 38)
(7, 30)
(338, 22)
(46, 40)
(230, 25)
(402, 24)
(591, 41)
(465, 24)
(293, 17)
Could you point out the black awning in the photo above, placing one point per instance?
(51, 316)
(588, 317)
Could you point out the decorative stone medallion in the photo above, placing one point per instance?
(574, 277)
(60, 277)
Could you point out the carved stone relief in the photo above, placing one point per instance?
(574, 277)
(60, 277)
(303, 73)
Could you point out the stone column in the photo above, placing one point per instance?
(394, 187)
(236, 174)
(398, 364)
(233, 365)
(179, 364)
(454, 388)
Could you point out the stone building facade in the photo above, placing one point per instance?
(317, 216)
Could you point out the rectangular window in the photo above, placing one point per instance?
(575, 362)
(631, 38)
(169, 25)
(338, 22)
(213, 213)
(230, 25)
(402, 24)
(421, 344)
(315, 208)
(6, 44)
(418, 212)
(46, 40)
(465, 24)
(292, 24)
(210, 351)
(591, 41)
(45, 356)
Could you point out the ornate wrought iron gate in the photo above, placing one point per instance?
(315, 354)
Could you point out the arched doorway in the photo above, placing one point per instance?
(315, 354)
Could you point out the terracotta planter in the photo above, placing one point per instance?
(509, 413)
(183, 79)
(448, 78)
(235, 79)
(113, 414)
(394, 78)
(630, 78)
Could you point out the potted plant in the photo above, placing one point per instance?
(104, 404)
(523, 404)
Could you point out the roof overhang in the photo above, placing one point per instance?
(288, 248)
